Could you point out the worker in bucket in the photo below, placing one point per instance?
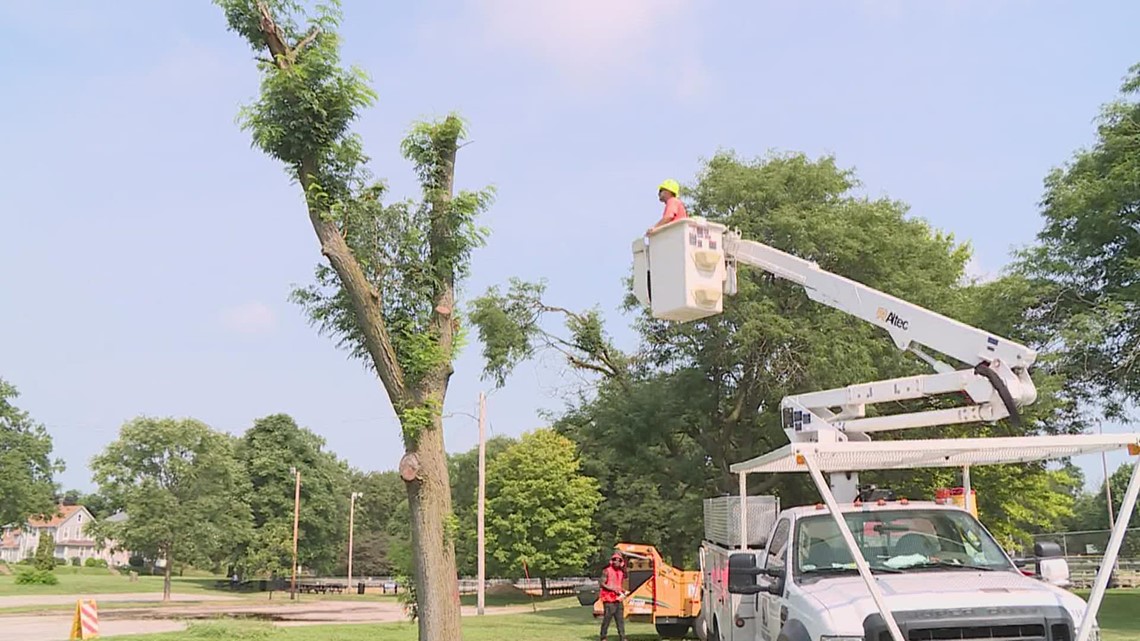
(667, 193)
(612, 595)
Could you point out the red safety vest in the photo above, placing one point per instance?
(612, 576)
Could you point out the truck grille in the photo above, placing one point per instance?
(967, 624)
(1031, 632)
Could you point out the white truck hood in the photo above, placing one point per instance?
(847, 599)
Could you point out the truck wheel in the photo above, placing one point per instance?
(672, 630)
(701, 627)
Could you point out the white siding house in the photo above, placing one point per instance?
(69, 529)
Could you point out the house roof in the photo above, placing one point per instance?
(64, 513)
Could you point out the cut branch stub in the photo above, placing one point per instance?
(409, 467)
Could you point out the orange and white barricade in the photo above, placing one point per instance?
(85, 624)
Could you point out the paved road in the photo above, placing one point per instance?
(56, 628)
(171, 618)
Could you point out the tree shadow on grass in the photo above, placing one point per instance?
(583, 616)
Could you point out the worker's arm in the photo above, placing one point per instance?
(605, 586)
(672, 210)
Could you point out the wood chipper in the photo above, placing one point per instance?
(658, 593)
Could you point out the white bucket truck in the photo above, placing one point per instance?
(858, 566)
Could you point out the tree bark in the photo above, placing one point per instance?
(429, 494)
(433, 550)
(169, 569)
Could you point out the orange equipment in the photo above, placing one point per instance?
(658, 593)
(957, 496)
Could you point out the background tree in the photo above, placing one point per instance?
(27, 487)
(1091, 513)
(44, 559)
(181, 488)
(267, 452)
(540, 508)
(665, 422)
(94, 502)
(464, 500)
(388, 292)
(1086, 259)
(383, 494)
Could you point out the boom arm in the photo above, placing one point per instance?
(997, 382)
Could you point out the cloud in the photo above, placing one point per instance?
(592, 41)
(249, 318)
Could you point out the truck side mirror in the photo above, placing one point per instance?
(1047, 550)
(1052, 567)
(742, 573)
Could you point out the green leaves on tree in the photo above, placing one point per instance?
(26, 468)
(268, 452)
(511, 330)
(181, 489)
(541, 507)
(1086, 260)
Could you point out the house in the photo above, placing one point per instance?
(69, 529)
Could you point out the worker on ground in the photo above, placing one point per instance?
(667, 193)
(612, 595)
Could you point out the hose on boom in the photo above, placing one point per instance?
(984, 369)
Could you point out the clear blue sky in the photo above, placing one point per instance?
(148, 251)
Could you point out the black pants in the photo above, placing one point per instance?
(616, 612)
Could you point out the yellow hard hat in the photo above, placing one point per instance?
(671, 185)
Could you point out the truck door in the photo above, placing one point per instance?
(772, 610)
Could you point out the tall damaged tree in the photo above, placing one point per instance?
(387, 292)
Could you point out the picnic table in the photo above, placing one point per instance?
(321, 588)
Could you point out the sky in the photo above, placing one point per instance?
(149, 250)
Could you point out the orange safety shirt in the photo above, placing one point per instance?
(674, 210)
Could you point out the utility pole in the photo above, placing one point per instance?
(351, 517)
(296, 522)
(481, 588)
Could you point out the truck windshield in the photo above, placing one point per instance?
(897, 540)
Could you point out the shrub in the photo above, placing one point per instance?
(93, 562)
(76, 561)
(36, 576)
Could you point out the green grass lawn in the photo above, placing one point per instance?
(1119, 615)
(73, 580)
(1119, 620)
(558, 624)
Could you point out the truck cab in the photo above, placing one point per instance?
(942, 574)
